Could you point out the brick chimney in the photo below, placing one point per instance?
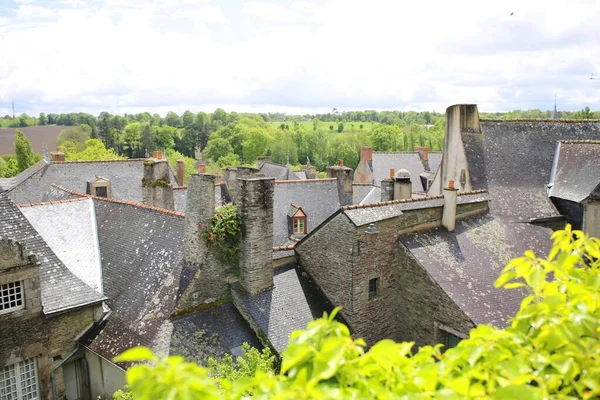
(57, 155)
(157, 189)
(201, 168)
(363, 174)
(344, 177)
(255, 206)
(402, 185)
(449, 211)
(423, 153)
(181, 172)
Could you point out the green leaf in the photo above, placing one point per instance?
(521, 392)
(139, 353)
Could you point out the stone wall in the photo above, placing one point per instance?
(255, 206)
(33, 335)
(421, 304)
(157, 189)
(327, 255)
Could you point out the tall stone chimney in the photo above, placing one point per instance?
(363, 174)
(261, 160)
(310, 171)
(157, 189)
(57, 155)
(387, 187)
(449, 211)
(344, 177)
(255, 206)
(402, 185)
(181, 172)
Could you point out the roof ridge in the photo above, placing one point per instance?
(52, 202)
(96, 161)
(305, 180)
(131, 203)
(284, 248)
(580, 141)
(567, 120)
(411, 200)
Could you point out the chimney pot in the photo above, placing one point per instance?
(449, 210)
(201, 168)
(392, 173)
(341, 163)
(57, 155)
(181, 172)
(450, 184)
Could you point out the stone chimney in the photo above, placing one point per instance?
(344, 177)
(402, 185)
(387, 187)
(261, 160)
(57, 155)
(181, 172)
(157, 189)
(363, 174)
(449, 212)
(310, 171)
(255, 206)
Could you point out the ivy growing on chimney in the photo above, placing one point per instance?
(223, 234)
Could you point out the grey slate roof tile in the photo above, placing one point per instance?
(577, 171)
(517, 158)
(290, 305)
(125, 177)
(60, 288)
(384, 161)
(318, 198)
(466, 263)
(277, 171)
(70, 231)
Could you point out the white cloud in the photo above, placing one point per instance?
(299, 55)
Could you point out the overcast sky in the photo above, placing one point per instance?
(296, 56)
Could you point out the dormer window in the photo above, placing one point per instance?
(99, 187)
(297, 220)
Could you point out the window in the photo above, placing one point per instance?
(299, 226)
(451, 340)
(19, 381)
(11, 297)
(101, 191)
(373, 288)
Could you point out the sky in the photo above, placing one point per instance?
(297, 56)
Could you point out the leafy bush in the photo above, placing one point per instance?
(223, 234)
(252, 361)
(550, 350)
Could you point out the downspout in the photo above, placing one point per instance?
(58, 366)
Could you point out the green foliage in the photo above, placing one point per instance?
(23, 151)
(188, 162)
(8, 166)
(122, 394)
(223, 234)
(229, 160)
(246, 366)
(164, 137)
(75, 135)
(550, 350)
(216, 148)
(94, 150)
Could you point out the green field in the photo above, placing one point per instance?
(323, 125)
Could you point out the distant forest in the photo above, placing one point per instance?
(238, 138)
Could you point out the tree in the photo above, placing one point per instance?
(550, 350)
(132, 139)
(75, 134)
(256, 144)
(164, 137)
(187, 118)
(94, 150)
(42, 119)
(216, 148)
(172, 119)
(23, 151)
(340, 128)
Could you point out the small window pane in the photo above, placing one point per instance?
(102, 191)
(451, 340)
(11, 297)
(298, 225)
(373, 287)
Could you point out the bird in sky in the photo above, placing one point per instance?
(511, 14)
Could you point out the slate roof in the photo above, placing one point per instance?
(318, 198)
(277, 171)
(141, 253)
(210, 333)
(465, 263)
(9, 183)
(368, 213)
(125, 177)
(514, 160)
(69, 228)
(143, 269)
(180, 197)
(411, 161)
(290, 305)
(576, 171)
(360, 192)
(60, 288)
